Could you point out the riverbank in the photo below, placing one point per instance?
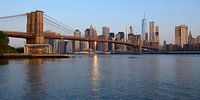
(22, 55)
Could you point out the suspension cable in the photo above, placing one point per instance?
(52, 22)
(57, 25)
(58, 21)
(6, 17)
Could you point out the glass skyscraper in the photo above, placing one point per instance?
(144, 28)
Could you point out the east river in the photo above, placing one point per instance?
(102, 77)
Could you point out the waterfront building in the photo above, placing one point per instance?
(105, 33)
(152, 31)
(181, 35)
(131, 30)
(157, 37)
(130, 37)
(76, 44)
(62, 46)
(111, 46)
(120, 37)
(93, 35)
(54, 44)
(69, 48)
(193, 43)
(100, 45)
(190, 38)
(164, 46)
(85, 44)
(196, 40)
(154, 37)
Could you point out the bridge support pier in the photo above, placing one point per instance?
(35, 26)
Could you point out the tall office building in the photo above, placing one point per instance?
(93, 35)
(120, 36)
(105, 33)
(152, 31)
(62, 46)
(144, 29)
(157, 37)
(190, 38)
(76, 44)
(100, 44)
(111, 46)
(69, 48)
(130, 34)
(85, 44)
(181, 35)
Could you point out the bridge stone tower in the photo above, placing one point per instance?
(35, 26)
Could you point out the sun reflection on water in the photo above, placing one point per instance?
(95, 73)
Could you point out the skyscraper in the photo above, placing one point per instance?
(85, 44)
(76, 44)
(100, 44)
(152, 31)
(93, 35)
(131, 30)
(105, 33)
(181, 35)
(190, 38)
(111, 46)
(144, 29)
(120, 36)
(157, 37)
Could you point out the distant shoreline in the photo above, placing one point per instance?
(22, 55)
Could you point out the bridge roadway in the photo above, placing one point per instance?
(65, 37)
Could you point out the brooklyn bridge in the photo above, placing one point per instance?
(35, 35)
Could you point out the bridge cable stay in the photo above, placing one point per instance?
(58, 22)
(58, 25)
(13, 16)
(13, 23)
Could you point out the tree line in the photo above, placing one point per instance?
(4, 45)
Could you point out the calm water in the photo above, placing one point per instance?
(148, 77)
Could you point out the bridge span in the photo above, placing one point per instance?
(65, 37)
(35, 33)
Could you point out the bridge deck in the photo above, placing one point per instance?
(65, 37)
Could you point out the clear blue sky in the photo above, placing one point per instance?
(117, 14)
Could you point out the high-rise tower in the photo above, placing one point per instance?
(144, 28)
(105, 33)
(181, 35)
(157, 38)
(152, 31)
(76, 44)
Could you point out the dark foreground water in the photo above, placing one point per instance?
(125, 77)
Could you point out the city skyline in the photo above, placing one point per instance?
(115, 14)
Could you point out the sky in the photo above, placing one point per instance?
(116, 14)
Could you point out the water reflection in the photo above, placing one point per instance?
(95, 73)
(35, 86)
(3, 61)
(98, 77)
